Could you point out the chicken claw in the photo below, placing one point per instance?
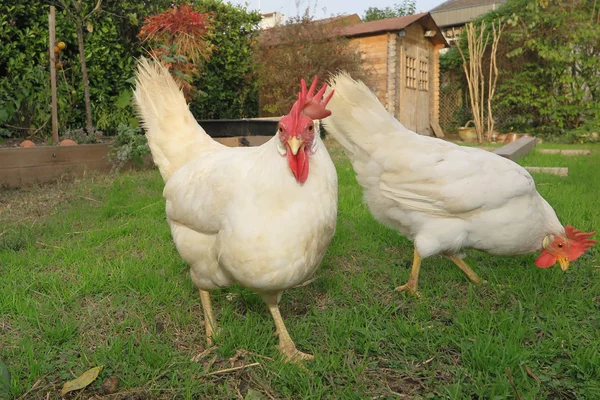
(209, 317)
(286, 345)
(410, 287)
(292, 354)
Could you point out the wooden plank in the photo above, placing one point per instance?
(19, 176)
(52, 155)
(20, 167)
(517, 149)
(437, 129)
(560, 171)
(565, 152)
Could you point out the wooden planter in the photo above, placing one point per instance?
(23, 166)
(42, 164)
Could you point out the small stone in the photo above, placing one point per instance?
(68, 142)
(110, 385)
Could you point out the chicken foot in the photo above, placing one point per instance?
(413, 280)
(466, 269)
(286, 345)
(209, 318)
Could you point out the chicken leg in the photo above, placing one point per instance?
(413, 280)
(209, 317)
(286, 345)
(466, 269)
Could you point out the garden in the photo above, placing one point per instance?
(90, 277)
(97, 303)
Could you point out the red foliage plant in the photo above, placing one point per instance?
(180, 38)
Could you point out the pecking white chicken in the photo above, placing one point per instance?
(444, 197)
(261, 217)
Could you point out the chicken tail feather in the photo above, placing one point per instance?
(359, 115)
(173, 134)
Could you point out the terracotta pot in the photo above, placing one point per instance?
(467, 134)
(511, 137)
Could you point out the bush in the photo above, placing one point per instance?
(130, 144)
(111, 47)
(549, 62)
(301, 49)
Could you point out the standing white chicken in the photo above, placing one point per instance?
(255, 216)
(444, 197)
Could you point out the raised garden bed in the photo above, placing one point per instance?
(23, 166)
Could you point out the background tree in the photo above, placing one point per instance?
(80, 12)
(548, 60)
(180, 38)
(229, 78)
(406, 7)
(302, 48)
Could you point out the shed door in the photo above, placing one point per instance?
(414, 105)
(423, 95)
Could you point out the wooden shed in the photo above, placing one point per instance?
(402, 56)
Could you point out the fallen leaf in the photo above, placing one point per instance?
(531, 374)
(254, 395)
(82, 381)
(4, 379)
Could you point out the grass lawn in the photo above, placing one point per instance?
(89, 276)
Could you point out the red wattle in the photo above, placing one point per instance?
(298, 163)
(303, 164)
(545, 260)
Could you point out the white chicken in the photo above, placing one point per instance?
(255, 216)
(444, 197)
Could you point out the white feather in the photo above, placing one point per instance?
(237, 215)
(442, 196)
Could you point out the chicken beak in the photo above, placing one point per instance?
(295, 144)
(564, 263)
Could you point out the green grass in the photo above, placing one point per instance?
(89, 276)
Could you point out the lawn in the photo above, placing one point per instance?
(89, 276)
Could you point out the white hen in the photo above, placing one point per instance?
(442, 196)
(255, 216)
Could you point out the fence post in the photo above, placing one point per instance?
(52, 28)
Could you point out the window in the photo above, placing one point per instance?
(411, 72)
(423, 84)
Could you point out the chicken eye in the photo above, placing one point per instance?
(560, 245)
(280, 129)
(311, 128)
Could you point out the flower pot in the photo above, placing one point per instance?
(467, 134)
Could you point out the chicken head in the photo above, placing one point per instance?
(564, 248)
(297, 129)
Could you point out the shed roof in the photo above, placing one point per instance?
(269, 36)
(458, 4)
(395, 25)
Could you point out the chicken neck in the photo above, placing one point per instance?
(286, 345)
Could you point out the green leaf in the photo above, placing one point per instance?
(124, 99)
(4, 379)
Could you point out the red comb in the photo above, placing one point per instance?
(312, 106)
(578, 241)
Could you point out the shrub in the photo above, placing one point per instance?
(302, 48)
